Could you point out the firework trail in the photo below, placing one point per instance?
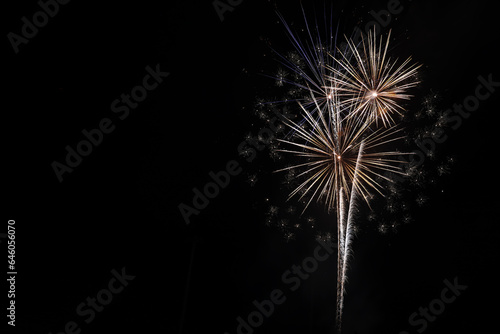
(337, 171)
(339, 139)
(346, 242)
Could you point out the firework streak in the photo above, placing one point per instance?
(350, 110)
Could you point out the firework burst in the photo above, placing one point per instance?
(369, 78)
(339, 155)
(343, 150)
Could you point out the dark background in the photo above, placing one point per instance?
(119, 208)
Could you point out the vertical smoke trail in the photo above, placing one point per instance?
(346, 241)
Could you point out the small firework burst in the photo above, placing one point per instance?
(280, 77)
(383, 228)
(262, 114)
(324, 237)
(418, 178)
(252, 179)
(394, 190)
(273, 210)
(421, 199)
(283, 223)
(274, 154)
(394, 225)
(407, 219)
(443, 169)
(442, 120)
(268, 221)
(289, 236)
(372, 216)
(246, 152)
(311, 221)
(391, 206)
(259, 104)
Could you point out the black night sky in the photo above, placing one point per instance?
(115, 219)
